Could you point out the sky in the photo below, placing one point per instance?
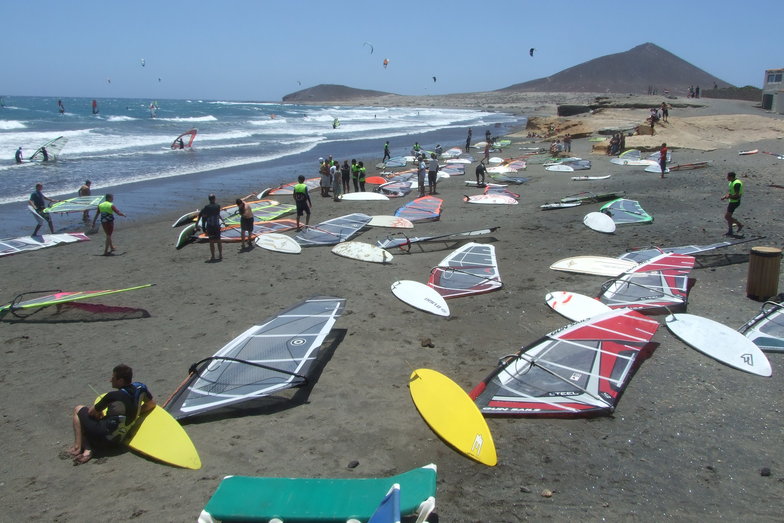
(262, 50)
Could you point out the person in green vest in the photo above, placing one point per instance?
(734, 193)
(361, 173)
(302, 200)
(355, 174)
(107, 210)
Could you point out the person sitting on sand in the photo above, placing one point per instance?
(302, 200)
(108, 421)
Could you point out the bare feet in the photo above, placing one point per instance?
(83, 458)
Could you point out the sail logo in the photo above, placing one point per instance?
(476, 448)
(748, 359)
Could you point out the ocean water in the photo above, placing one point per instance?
(241, 147)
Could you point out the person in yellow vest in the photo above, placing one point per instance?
(361, 173)
(734, 193)
(302, 200)
(107, 210)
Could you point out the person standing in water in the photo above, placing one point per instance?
(107, 210)
(60, 106)
(18, 155)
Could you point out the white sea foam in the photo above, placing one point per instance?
(8, 125)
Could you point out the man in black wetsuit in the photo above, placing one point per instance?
(210, 220)
(111, 417)
(38, 203)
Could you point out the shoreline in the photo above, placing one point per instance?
(687, 440)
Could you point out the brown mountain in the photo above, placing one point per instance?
(331, 92)
(633, 71)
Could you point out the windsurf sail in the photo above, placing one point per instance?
(49, 151)
(288, 188)
(10, 246)
(590, 197)
(471, 269)
(263, 210)
(659, 283)
(514, 180)
(59, 298)
(643, 255)
(277, 355)
(395, 161)
(78, 204)
(579, 370)
(495, 189)
(766, 329)
(185, 140)
(405, 241)
(396, 189)
(423, 209)
(333, 231)
(623, 211)
(234, 234)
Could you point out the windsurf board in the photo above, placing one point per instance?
(159, 436)
(362, 251)
(574, 306)
(589, 178)
(185, 219)
(472, 183)
(490, 199)
(560, 168)
(558, 205)
(394, 222)
(451, 414)
(594, 265)
(187, 235)
(719, 342)
(363, 196)
(600, 222)
(745, 153)
(496, 160)
(655, 168)
(420, 296)
(279, 243)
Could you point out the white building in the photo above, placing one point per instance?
(773, 91)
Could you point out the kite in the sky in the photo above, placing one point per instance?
(386, 62)
(369, 45)
(531, 51)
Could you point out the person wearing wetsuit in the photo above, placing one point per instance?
(38, 202)
(481, 170)
(109, 419)
(345, 174)
(45, 153)
(386, 152)
(211, 223)
(107, 210)
(355, 174)
(18, 155)
(302, 200)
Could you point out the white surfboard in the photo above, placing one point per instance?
(185, 219)
(560, 168)
(655, 168)
(574, 306)
(278, 242)
(595, 265)
(491, 199)
(588, 178)
(186, 235)
(363, 196)
(362, 251)
(464, 161)
(394, 222)
(420, 296)
(600, 222)
(719, 342)
(472, 183)
(495, 160)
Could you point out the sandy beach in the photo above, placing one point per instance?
(687, 442)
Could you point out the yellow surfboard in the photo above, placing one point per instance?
(161, 437)
(449, 411)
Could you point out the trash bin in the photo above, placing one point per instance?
(763, 279)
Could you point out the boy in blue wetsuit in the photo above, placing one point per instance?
(111, 417)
